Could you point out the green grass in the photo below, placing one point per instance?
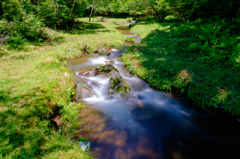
(36, 86)
(194, 59)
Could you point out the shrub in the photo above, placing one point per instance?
(30, 29)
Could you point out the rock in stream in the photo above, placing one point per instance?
(117, 84)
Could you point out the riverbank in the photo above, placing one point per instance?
(37, 91)
(196, 59)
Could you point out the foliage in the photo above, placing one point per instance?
(12, 9)
(29, 29)
(61, 14)
(197, 59)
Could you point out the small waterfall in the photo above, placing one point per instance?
(146, 123)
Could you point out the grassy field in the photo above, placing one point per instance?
(36, 88)
(198, 60)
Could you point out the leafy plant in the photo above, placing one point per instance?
(217, 44)
(20, 32)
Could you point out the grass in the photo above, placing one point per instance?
(176, 58)
(36, 87)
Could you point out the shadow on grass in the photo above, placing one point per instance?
(167, 63)
(87, 28)
(26, 130)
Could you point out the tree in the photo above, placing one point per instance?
(92, 9)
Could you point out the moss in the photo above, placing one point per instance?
(118, 85)
(108, 68)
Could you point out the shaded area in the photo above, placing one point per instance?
(87, 28)
(27, 125)
(174, 58)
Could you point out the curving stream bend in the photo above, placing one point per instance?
(147, 124)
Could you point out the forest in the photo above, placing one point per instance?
(23, 20)
(189, 47)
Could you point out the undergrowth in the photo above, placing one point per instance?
(198, 59)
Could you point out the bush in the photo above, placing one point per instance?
(30, 29)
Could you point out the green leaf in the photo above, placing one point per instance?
(205, 45)
(202, 38)
(192, 47)
(216, 31)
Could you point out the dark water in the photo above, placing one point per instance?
(148, 124)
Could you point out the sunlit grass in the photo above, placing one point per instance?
(35, 87)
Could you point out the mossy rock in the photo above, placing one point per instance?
(117, 85)
(105, 69)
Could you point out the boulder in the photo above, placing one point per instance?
(117, 85)
(86, 73)
(83, 91)
(105, 69)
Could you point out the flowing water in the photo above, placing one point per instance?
(147, 124)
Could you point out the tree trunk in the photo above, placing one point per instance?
(91, 14)
(72, 7)
(94, 11)
(163, 15)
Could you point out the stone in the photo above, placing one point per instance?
(105, 69)
(102, 51)
(110, 62)
(57, 120)
(117, 85)
(86, 73)
(83, 92)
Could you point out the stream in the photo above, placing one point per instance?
(146, 124)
